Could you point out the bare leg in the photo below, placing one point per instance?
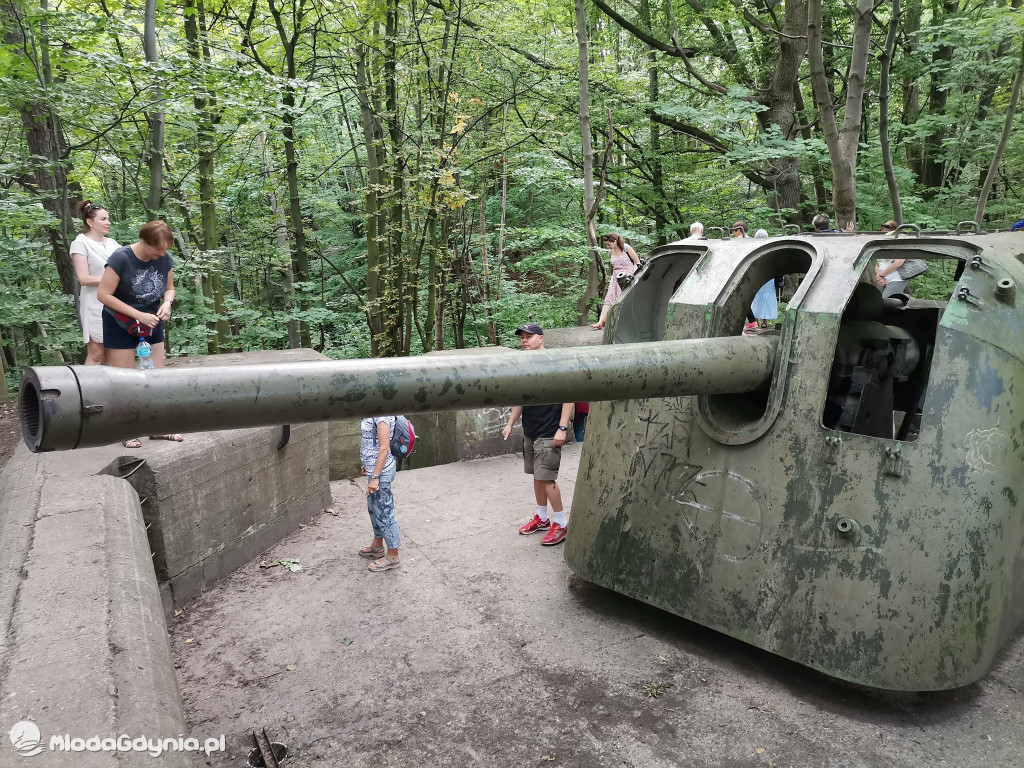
(122, 358)
(548, 492)
(94, 353)
(119, 358)
(157, 352)
(540, 493)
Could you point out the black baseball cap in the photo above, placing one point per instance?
(530, 328)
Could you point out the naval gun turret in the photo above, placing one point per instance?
(842, 490)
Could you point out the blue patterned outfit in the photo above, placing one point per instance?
(380, 505)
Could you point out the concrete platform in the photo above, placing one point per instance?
(483, 649)
(83, 643)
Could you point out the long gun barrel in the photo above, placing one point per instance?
(64, 407)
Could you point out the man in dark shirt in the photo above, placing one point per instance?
(544, 431)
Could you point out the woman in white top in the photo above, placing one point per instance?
(89, 253)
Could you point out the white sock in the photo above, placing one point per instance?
(560, 519)
(542, 513)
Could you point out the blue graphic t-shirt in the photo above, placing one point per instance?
(370, 446)
(142, 283)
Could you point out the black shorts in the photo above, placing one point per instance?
(115, 337)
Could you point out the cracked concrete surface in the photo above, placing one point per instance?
(484, 649)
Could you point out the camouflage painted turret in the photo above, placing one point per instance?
(841, 490)
(862, 513)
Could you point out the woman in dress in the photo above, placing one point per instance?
(136, 290)
(624, 262)
(765, 306)
(89, 253)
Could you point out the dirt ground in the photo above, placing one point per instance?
(484, 649)
(10, 431)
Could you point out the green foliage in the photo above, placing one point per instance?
(938, 283)
(496, 103)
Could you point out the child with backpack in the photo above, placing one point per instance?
(379, 465)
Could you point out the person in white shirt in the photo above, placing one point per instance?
(89, 253)
(696, 231)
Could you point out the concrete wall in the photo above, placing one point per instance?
(83, 640)
(224, 499)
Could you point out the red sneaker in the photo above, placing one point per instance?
(535, 525)
(555, 536)
(751, 326)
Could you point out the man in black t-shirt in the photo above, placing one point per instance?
(544, 431)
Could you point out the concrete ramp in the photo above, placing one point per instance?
(83, 642)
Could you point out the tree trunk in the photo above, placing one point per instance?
(288, 279)
(657, 201)
(485, 288)
(44, 137)
(5, 396)
(589, 199)
(374, 258)
(883, 114)
(402, 297)
(781, 102)
(500, 253)
(1011, 108)
(842, 143)
(155, 154)
(198, 51)
(300, 256)
(932, 171)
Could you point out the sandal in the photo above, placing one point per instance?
(371, 551)
(172, 438)
(386, 563)
(133, 443)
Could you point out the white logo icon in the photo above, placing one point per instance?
(25, 738)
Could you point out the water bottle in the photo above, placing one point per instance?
(144, 353)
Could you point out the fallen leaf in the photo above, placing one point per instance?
(191, 639)
(663, 658)
(346, 641)
(291, 563)
(290, 667)
(760, 751)
(178, 611)
(330, 511)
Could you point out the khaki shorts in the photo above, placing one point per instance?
(541, 459)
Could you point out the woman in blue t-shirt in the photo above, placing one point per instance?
(136, 290)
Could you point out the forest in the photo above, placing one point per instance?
(390, 177)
